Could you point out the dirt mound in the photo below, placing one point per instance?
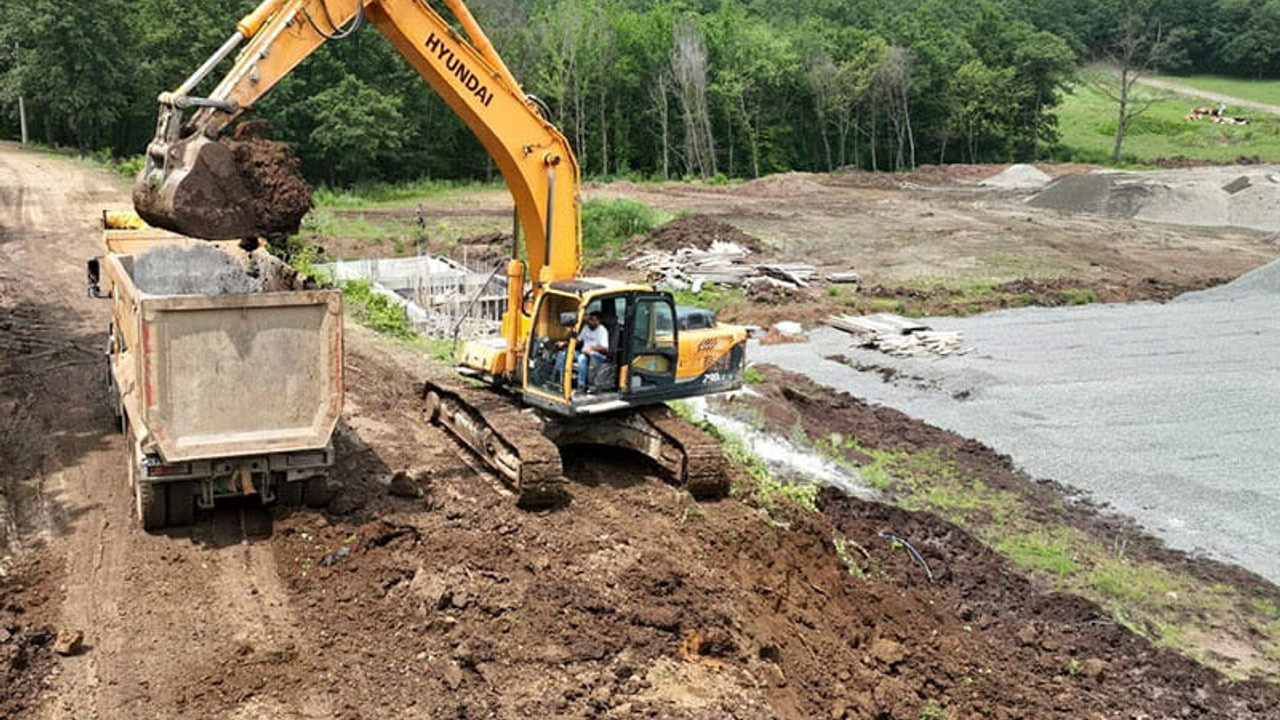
(781, 185)
(489, 238)
(1182, 161)
(26, 638)
(700, 231)
(457, 604)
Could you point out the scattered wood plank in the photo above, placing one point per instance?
(897, 335)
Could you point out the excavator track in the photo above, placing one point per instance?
(505, 436)
(523, 446)
(705, 471)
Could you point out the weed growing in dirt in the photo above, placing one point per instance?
(1052, 552)
(933, 711)
(1139, 584)
(1121, 618)
(752, 376)
(841, 545)
(713, 297)
(376, 311)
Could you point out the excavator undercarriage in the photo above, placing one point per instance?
(523, 444)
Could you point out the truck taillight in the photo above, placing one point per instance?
(163, 470)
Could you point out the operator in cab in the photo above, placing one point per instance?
(593, 346)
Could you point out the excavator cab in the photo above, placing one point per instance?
(649, 359)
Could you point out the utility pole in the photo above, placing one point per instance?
(22, 118)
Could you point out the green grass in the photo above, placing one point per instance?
(1052, 552)
(713, 297)
(1087, 120)
(1263, 91)
(1136, 584)
(607, 224)
(369, 195)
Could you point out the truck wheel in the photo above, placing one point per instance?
(151, 504)
(180, 502)
(289, 494)
(317, 492)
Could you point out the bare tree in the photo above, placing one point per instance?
(821, 72)
(660, 95)
(689, 71)
(1138, 49)
(893, 83)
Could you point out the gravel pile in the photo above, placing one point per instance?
(1209, 197)
(1261, 281)
(1017, 177)
(195, 270)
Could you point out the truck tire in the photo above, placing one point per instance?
(317, 492)
(151, 504)
(289, 494)
(180, 502)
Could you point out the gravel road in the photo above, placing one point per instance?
(1166, 412)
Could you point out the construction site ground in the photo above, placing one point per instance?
(424, 592)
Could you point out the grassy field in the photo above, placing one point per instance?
(1263, 91)
(1088, 123)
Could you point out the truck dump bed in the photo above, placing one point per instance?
(226, 375)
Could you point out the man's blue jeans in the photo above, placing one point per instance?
(582, 362)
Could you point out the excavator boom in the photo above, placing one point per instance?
(193, 183)
(199, 183)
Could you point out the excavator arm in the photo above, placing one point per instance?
(187, 183)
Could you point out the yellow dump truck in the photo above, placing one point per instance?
(225, 373)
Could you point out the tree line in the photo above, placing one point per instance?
(654, 88)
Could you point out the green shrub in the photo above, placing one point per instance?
(608, 223)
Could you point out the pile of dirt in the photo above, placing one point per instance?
(699, 231)
(489, 238)
(787, 403)
(1017, 177)
(783, 185)
(244, 186)
(1182, 161)
(26, 638)
(208, 270)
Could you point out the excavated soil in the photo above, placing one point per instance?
(243, 186)
(279, 196)
(789, 399)
(700, 231)
(436, 597)
(26, 634)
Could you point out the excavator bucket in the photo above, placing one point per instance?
(195, 190)
(239, 187)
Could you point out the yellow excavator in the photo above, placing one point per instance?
(654, 351)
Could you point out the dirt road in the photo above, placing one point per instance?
(434, 596)
(158, 612)
(1173, 85)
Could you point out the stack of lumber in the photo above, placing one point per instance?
(896, 335)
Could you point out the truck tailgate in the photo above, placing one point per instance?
(241, 374)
